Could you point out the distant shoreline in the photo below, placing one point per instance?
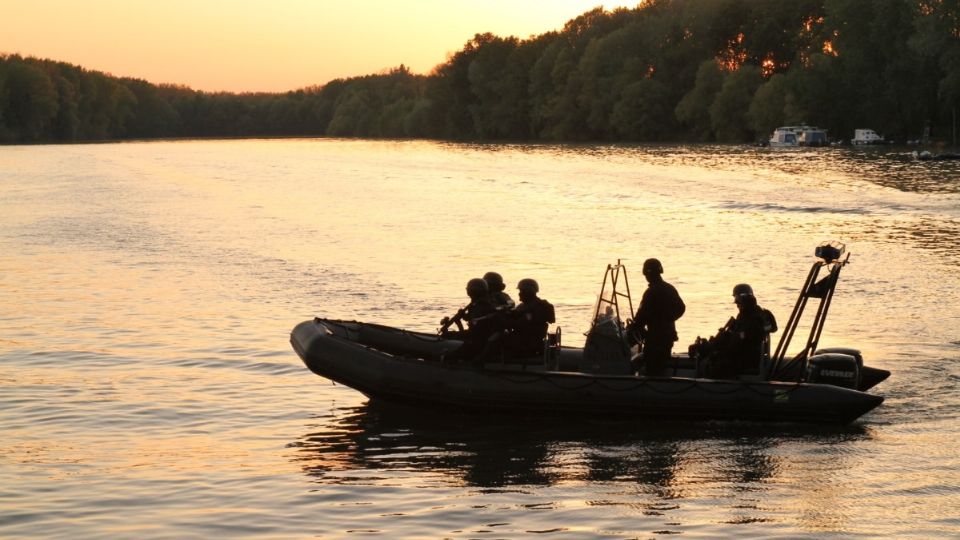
(939, 145)
(662, 72)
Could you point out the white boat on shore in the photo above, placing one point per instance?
(866, 136)
(784, 137)
(802, 135)
(813, 136)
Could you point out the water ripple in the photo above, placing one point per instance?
(148, 388)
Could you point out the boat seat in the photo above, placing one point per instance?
(497, 356)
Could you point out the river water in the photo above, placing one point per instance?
(148, 388)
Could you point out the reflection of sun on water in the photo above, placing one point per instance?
(152, 304)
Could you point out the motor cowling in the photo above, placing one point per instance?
(834, 368)
(843, 350)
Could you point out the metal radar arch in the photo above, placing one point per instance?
(830, 257)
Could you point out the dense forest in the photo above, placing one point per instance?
(668, 70)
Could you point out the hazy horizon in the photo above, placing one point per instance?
(260, 46)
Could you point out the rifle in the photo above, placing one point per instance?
(457, 319)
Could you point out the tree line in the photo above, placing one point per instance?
(668, 70)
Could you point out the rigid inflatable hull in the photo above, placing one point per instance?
(331, 353)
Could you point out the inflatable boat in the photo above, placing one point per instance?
(396, 365)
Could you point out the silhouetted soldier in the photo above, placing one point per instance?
(498, 297)
(744, 342)
(655, 321)
(479, 315)
(527, 324)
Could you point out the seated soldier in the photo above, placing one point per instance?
(481, 323)
(744, 342)
(498, 297)
(526, 325)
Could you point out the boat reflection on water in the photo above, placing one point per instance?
(381, 443)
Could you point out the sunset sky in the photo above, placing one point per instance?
(266, 45)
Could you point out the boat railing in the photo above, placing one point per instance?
(608, 303)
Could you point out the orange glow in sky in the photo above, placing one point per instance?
(266, 45)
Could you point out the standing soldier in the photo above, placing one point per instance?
(655, 322)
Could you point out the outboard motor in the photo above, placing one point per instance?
(843, 350)
(834, 368)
